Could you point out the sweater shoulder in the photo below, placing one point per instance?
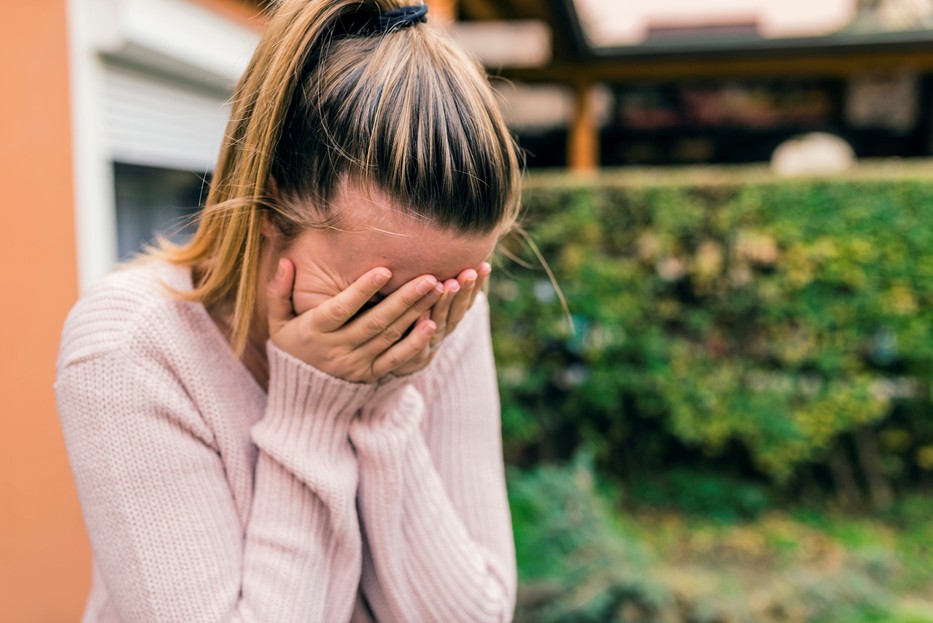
(127, 306)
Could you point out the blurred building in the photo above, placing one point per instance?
(722, 81)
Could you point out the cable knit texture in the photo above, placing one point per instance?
(208, 499)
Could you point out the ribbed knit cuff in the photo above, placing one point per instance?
(385, 427)
(308, 411)
(388, 393)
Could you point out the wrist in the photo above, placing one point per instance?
(305, 387)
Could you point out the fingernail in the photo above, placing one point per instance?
(428, 327)
(439, 287)
(382, 277)
(425, 285)
(470, 276)
(454, 288)
(485, 268)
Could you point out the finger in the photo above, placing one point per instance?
(279, 296)
(415, 344)
(397, 329)
(408, 301)
(442, 307)
(460, 304)
(485, 269)
(426, 355)
(335, 312)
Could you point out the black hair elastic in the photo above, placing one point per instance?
(403, 17)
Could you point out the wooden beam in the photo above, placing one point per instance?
(484, 10)
(653, 69)
(532, 9)
(568, 42)
(583, 141)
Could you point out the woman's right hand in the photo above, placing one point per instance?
(359, 349)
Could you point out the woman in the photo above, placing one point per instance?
(277, 420)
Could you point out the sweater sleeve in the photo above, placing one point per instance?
(160, 514)
(432, 496)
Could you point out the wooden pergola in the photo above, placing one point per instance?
(579, 65)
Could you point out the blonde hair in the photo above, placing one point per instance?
(328, 96)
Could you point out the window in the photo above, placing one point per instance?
(153, 201)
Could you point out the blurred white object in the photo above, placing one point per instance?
(540, 107)
(905, 14)
(817, 153)
(517, 43)
(627, 22)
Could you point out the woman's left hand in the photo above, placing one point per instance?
(448, 311)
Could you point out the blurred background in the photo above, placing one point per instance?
(731, 419)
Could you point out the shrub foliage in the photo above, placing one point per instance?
(780, 329)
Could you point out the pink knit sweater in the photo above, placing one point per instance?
(208, 499)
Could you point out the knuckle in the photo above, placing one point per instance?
(375, 326)
(338, 311)
(411, 297)
(391, 334)
(394, 360)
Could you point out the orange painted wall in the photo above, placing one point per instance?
(44, 554)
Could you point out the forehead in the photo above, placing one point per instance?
(374, 231)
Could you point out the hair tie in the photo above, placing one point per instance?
(403, 17)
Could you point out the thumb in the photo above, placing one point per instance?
(279, 296)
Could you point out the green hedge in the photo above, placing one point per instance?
(783, 329)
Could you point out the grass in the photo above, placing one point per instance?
(796, 564)
(898, 545)
(905, 614)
